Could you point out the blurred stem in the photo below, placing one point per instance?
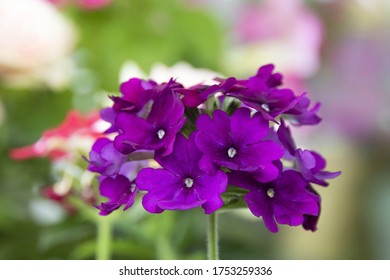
(212, 236)
(103, 246)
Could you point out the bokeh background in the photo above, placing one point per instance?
(59, 55)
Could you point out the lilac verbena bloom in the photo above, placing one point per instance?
(155, 132)
(285, 200)
(181, 184)
(104, 158)
(262, 93)
(237, 143)
(136, 94)
(119, 190)
(311, 165)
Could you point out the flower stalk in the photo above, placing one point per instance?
(212, 237)
(104, 237)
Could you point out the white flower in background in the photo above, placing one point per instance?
(183, 72)
(35, 43)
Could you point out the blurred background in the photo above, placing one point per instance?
(63, 55)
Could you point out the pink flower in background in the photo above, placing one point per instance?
(76, 134)
(285, 32)
(356, 87)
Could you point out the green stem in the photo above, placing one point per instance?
(212, 236)
(103, 246)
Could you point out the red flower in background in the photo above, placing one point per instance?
(75, 133)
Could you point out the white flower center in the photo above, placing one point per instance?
(271, 192)
(189, 182)
(265, 107)
(160, 134)
(231, 152)
(132, 188)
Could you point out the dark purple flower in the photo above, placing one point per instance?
(196, 95)
(272, 80)
(108, 114)
(135, 97)
(285, 138)
(261, 93)
(120, 191)
(300, 113)
(104, 158)
(310, 221)
(285, 200)
(157, 131)
(311, 165)
(181, 184)
(237, 143)
(135, 94)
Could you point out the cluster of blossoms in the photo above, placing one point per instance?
(217, 145)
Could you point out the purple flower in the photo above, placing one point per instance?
(301, 114)
(181, 184)
(108, 114)
(135, 94)
(285, 200)
(157, 131)
(237, 143)
(272, 80)
(120, 191)
(260, 93)
(196, 95)
(286, 139)
(310, 221)
(311, 165)
(104, 158)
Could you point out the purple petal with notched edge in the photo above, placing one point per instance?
(247, 129)
(285, 137)
(120, 192)
(166, 111)
(183, 199)
(269, 172)
(184, 158)
(211, 195)
(109, 115)
(259, 155)
(137, 133)
(104, 158)
(160, 184)
(311, 165)
(260, 206)
(216, 128)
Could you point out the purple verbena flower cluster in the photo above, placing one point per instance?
(218, 146)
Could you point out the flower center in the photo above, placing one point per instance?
(189, 182)
(271, 192)
(132, 188)
(231, 152)
(160, 134)
(265, 107)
